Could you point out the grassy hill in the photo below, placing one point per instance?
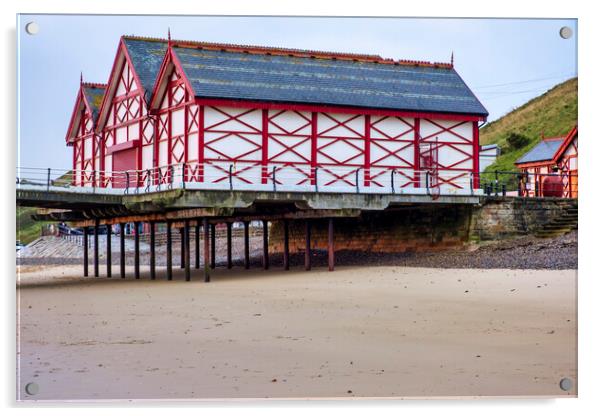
(554, 113)
(28, 229)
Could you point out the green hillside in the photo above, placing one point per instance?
(554, 113)
(28, 229)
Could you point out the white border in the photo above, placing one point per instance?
(590, 286)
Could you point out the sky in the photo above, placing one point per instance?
(506, 62)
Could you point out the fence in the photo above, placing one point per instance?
(224, 176)
(522, 184)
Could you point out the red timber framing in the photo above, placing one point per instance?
(265, 143)
(392, 146)
(127, 129)
(566, 158)
(221, 141)
(88, 157)
(456, 145)
(563, 163)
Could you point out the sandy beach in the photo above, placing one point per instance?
(356, 332)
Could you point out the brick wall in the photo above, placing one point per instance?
(411, 229)
(430, 228)
(499, 217)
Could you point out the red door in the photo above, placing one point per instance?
(124, 160)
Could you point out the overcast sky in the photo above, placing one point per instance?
(505, 62)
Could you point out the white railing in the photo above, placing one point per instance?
(251, 177)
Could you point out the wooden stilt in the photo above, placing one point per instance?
(168, 255)
(108, 256)
(229, 244)
(330, 244)
(96, 274)
(153, 275)
(308, 245)
(246, 238)
(197, 245)
(122, 250)
(182, 247)
(212, 226)
(86, 251)
(187, 250)
(285, 251)
(265, 257)
(206, 248)
(137, 250)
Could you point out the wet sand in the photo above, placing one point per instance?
(357, 332)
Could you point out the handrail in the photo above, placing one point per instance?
(322, 178)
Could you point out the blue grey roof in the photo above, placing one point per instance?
(146, 56)
(544, 150)
(94, 95)
(237, 75)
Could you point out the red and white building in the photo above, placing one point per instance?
(227, 116)
(82, 136)
(552, 156)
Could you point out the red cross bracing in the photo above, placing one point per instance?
(171, 134)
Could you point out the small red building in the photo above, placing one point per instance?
(552, 159)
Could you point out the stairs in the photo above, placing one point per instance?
(563, 224)
(51, 247)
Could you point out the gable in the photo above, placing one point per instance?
(172, 87)
(133, 73)
(542, 152)
(82, 120)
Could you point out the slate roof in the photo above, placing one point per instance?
(543, 151)
(302, 79)
(147, 56)
(94, 94)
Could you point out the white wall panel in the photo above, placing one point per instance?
(163, 151)
(121, 135)
(177, 122)
(134, 131)
(87, 148)
(193, 147)
(147, 157)
(221, 118)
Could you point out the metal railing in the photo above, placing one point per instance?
(507, 183)
(252, 176)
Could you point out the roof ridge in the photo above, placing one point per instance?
(94, 85)
(301, 53)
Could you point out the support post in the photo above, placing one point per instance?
(187, 250)
(182, 261)
(152, 251)
(108, 255)
(168, 255)
(197, 245)
(308, 245)
(265, 257)
(206, 248)
(285, 250)
(122, 250)
(330, 244)
(246, 238)
(96, 274)
(213, 246)
(229, 244)
(86, 252)
(137, 250)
